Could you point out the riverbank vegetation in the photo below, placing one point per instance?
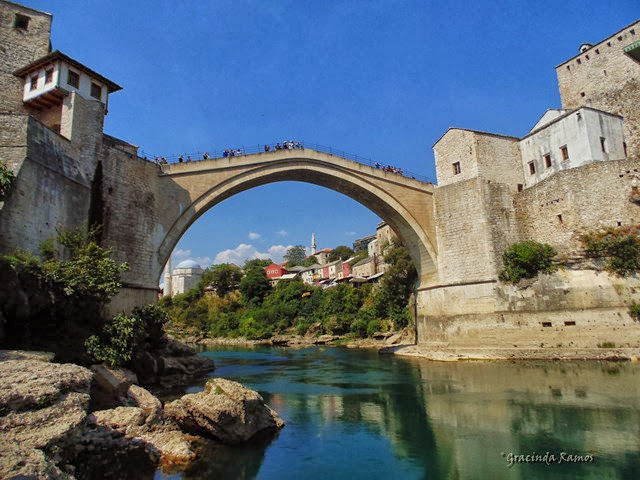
(618, 247)
(245, 304)
(526, 260)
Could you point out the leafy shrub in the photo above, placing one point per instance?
(6, 179)
(619, 246)
(634, 311)
(373, 326)
(527, 259)
(359, 327)
(117, 341)
(153, 318)
(400, 318)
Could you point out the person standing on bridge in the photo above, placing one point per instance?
(180, 159)
(267, 148)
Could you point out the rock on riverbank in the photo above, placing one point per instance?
(46, 430)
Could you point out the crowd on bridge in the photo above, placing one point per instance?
(389, 168)
(238, 152)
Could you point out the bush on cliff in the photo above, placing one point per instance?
(6, 179)
(634, 311)
(620, 247)
(54, 301)
(527, 259)
(117, 341)
(124, 334)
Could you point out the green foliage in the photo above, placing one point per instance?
(254, 286)
(398, 282)
(6, 179)
(295, 255)
(634, 311)
(607, 345)
(312, 260)
(293, 307)
(87, 270)
(121, 336)
(527, 259)
(341, 252)
(153, 318)
(361, 255)
(400, 317)
(256, 263)
(224, 278)
(619, 246)
(117, 341)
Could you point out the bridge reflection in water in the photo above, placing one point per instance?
(354, 414)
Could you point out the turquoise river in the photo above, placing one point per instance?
(354, 414)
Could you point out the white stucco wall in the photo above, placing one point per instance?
(580, 132)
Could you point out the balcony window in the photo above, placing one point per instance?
(532, 168)
(73, 79)
(456, 168)
(547, 160)
(34, 82)
(96, 91)
(565, 152)
(48, 75)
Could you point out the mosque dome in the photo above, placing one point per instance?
(191, 264)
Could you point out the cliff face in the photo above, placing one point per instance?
(36, 315)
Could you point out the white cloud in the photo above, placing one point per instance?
(282, 233)
(245, 251)
(254, 236)
(182, 253)
(349, 234)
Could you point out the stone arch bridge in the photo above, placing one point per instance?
(189, 189)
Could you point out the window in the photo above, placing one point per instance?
(21, 21)
(578, 61)
(569, 324)
(48, 75)
(532, 168)
(34, 82)
(624, 147)
(96, 91)
(603, 144)
(582, 94)
(73, 79)
(456, 168)
(520, 187)
(546, 324)
(547, 160)
(559, 217)
(565, 152)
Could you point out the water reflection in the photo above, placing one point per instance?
(354, 414)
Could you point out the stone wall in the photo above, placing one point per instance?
(604, 77)
(570, 308)
(486, 155)
(474, 223)
(573, 202)
(19, 47)
(51, 188)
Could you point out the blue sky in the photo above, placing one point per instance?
(381, 79)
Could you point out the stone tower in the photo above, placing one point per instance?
(313, 244)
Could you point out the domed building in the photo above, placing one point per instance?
(185, 276)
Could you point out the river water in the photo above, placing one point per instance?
(354, 414)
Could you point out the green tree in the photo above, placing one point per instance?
(341, 252)
(256, 263)
(399, 280)
(527, 259)
(224, 278)
(312, 260)
(254, 286)
(295, 255)
(118, 340)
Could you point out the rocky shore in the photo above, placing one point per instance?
(378, 340)
(50, 429)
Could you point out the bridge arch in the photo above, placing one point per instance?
(404, 203)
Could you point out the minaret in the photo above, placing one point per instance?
(167, 278)
(313, 244)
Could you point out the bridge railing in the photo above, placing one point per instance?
(261, 149)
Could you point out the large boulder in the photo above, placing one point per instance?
(144, 423)
(42, 405)
(225, 410)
